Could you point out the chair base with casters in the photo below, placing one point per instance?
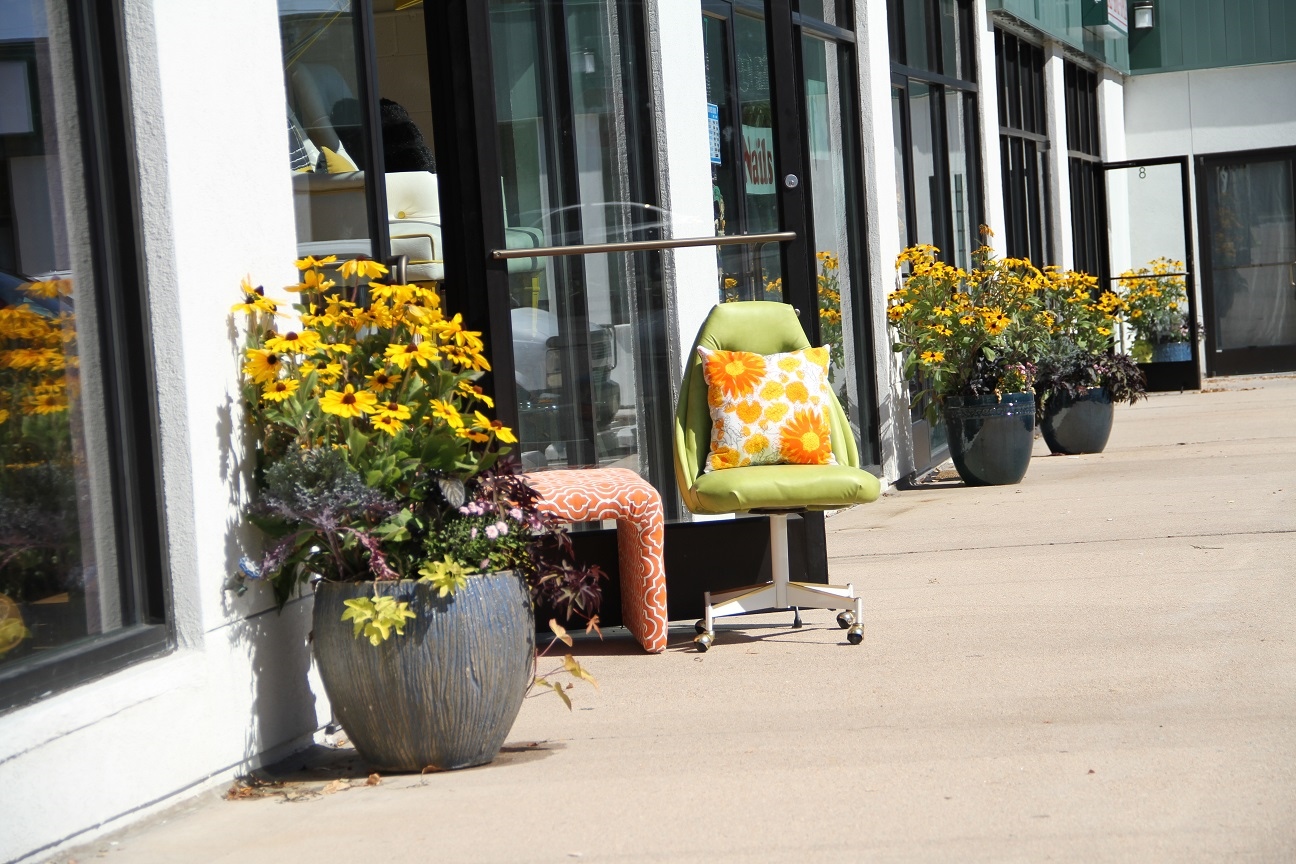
(774, 490)
(781, 593)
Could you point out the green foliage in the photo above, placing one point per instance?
(446, 575)
(570, 666)
(376, 618)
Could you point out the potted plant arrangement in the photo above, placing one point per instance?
(967, 340)
(1079, 374)
(381, 481)
(1156, 307)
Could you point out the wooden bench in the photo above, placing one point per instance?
(592, 494)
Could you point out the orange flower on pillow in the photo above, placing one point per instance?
(749, 412)
(767, 410)
(735, 372)
(804, 440)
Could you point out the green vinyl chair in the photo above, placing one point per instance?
(778, 491)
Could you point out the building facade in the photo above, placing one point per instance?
(584, 179)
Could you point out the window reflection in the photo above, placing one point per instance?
(326, 150)
(55, 513)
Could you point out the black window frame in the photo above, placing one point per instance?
(1023, 147)
(942, 81)
(103, 105)
(1085, 169)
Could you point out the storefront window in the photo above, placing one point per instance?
(327, 121)
(841, 286)
(73, 597)
(576, 161)
(1023, 143)
(936, 146)
(742, 162)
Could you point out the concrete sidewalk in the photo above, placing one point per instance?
(1096, 665)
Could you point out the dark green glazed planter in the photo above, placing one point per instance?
(990, 439)
(446, 693)
(1083, 424)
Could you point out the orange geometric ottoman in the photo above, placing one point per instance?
(591, 494)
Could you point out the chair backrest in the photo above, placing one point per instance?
(413, 195)
(758, 326)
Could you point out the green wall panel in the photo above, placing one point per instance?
(1061, 19)
(1205, 34)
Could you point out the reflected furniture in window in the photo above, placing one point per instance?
(591, 494)
(776, 491)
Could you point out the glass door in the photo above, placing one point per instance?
(1151, 267)
(1249, 240)
(575, 164)
(762, 184)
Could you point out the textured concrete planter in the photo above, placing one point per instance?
(446, 693)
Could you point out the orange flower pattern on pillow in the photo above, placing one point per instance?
(768, 410)
(734, 373)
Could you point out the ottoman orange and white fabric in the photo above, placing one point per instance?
(591, 494)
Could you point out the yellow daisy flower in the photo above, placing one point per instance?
(278, 391)
(348, 403)
(263, 365)
(382, 380)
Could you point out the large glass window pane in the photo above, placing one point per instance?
(956, 42)
(1253, 247)
(744, 188)
(60, 586)
(586, 328)
(915, 34)
(963, 190)
(901, 162)
(409, 161)
(841, 286)
(927, 199)
(327, 154)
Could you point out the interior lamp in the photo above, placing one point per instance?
(1142, 14)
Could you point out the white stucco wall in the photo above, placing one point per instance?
(882, 227)
(1210, 111)
(216, 204)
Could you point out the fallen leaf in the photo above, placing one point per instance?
(336, 786)
(374, 780)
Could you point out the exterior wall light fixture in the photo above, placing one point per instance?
(1142, 14)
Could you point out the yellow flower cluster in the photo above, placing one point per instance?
(384, 357)
(1156, 300)
(945, 317)
(38, 359)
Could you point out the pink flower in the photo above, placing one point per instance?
(491, 531)
(502, 527)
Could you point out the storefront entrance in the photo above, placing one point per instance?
(519, 142)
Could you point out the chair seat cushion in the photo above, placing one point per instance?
(783, 487)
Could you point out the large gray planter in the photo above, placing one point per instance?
(443, 695)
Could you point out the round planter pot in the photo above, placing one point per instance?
(1078, 425)
(444, 694)
(1171, 352)
(990, 439)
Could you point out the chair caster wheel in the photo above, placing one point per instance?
(699, 626)
(855, 635)
(703, 641)
(845, 619)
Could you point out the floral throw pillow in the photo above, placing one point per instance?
(767, 409)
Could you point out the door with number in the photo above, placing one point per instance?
(1150, 256)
